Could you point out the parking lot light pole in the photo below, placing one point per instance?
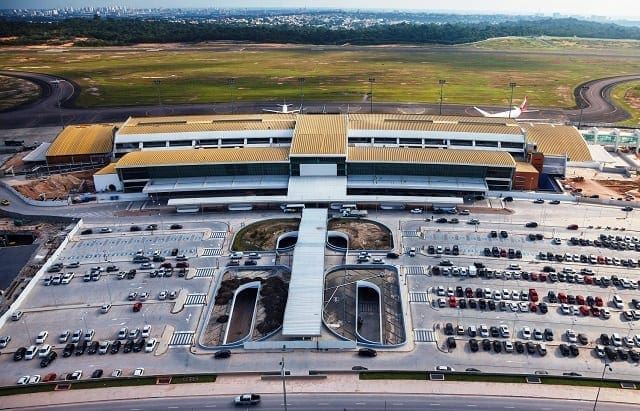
(442, 83)
(284, 385)
(371, 81)
(512, 85)
(606, 367)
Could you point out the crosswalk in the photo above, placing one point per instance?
(424, 335)
(410, 233)
(182, 338)
(418, 297)
(195, 299)
(208, 252)
(218, 234)
(205, 272)
(415, 270)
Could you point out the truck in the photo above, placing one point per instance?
(247, 399)
(354, 213)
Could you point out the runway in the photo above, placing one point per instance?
(56, 106)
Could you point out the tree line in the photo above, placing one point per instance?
(118, 32)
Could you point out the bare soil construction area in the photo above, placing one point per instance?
(58, 186)
(363, 234)
(605, 185)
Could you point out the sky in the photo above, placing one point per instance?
(611, 8)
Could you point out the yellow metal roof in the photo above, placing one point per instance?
(83, 139)
(185, 124)
(320, 135)
(413, 122)
(203, 156)
(108, 169)
(524, 167)
(430, 156)
(558, 140)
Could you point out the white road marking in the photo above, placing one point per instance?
(471, 405)
(323, 403)
(361, 403)
(171, 407)
(210, 406)
(398, 404)
(434, 404)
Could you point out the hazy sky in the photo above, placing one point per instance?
(628, 8)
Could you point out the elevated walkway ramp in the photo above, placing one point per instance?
(303, 313)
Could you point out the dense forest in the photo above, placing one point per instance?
(112, 32)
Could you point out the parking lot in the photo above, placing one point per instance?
(99, 287)
(464, 291)
(176, 320)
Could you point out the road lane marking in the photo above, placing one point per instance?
(471, 405)
(434, 404)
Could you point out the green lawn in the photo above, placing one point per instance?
(621, 95)
(545, 70)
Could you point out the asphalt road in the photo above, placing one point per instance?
(56, 106)
(350, 402)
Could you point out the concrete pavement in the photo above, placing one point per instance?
(230, 385)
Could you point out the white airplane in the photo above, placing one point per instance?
(513, 113)
(283, 110)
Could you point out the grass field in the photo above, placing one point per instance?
(627, 96)
(546, 70)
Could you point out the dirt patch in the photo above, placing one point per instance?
(363, 234)
(58, 186)
(272, 301)
(262, 236)
(592, 182)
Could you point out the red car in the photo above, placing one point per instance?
(534, 276)
(533, 307)
(166, 264)
(585, 310)
(137, 307)
(588, 279)
(452, 302)
(562, 297)
(503, 253)
(580, 299)
(533, 294)
(595, 311)
(599, 301)
(182, 264)
(543, 277)
(50, 377)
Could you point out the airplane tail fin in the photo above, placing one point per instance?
(484, 113)
(523, 106)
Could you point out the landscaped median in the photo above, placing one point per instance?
(496, 378)
(107, 383)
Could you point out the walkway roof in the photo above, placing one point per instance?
(303, 314)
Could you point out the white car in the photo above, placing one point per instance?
(122, 334)
(66, 279)
(4, 340)
(163, 295)
(566, 309)
(77, 334)
(117, 372)
(572, 337)
(444, 368)
(617, 301)
(483, 330)
(44, 350)
(31, 352)
(616, 340)
(76, 375)
(146, 331)
(88, 336)
(636, 339)
(138, 372)
(537, 334)
(42, 337)
(24, 380)
(151, 344)
(504, 331)
(105, 308)
(526, 333)
(64, 336)
(416, 211)
(103, 348)
(556, 241)
(34, 379)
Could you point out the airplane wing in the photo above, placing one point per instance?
(484, 113)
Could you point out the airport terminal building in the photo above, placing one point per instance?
(301, 158)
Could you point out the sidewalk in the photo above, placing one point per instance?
(230, 385)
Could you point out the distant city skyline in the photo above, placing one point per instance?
(613, 8)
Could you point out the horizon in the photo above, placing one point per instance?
(615, 9)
